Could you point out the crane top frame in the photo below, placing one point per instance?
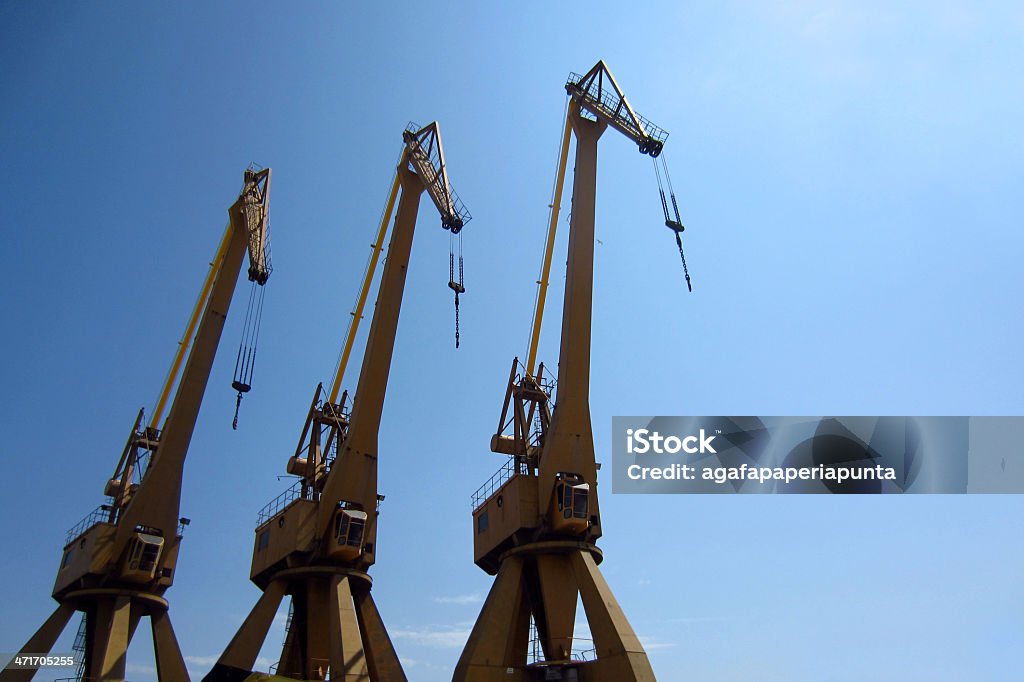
(255, 202)
(597, 92)
(424, 152)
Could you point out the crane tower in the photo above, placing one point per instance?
(120, 560)
(317, 541)
(537, 521)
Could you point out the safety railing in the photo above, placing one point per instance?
(501, 477)
(610, 105)
(274, 507)
(583, 649)
(100, 514)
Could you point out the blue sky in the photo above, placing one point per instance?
(849, 174)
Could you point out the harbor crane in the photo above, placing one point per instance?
(537, 521)
(120, 560)
(317, 541)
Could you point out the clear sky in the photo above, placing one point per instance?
(849, 173)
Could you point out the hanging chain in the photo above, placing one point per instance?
(245, 361)
(462, 286)
(686, 272)
(672, 220)
(457, 286)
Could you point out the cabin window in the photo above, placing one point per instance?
(348, 529)
(579, 504)
(481, 523)
(355, 533)
(263, 541)
(341, 527)
(134, 556)
(150, 554)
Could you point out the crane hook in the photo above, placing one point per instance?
(241, 388)
(458, 287)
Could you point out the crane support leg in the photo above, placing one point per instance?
(620, 656)
(558, 600)
(41, 642)
(238, 659)
(348, 660)
(291, 655)
(109, 633)
(381, 656)
(500, 636)
(170, 664)
(314, 612)
(565, 571)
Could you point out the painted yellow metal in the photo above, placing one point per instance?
(338, 626)
(538, 314)
(357, 314)
(615, 84)
(527, 530)
(186, 340)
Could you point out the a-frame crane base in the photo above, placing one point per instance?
(349, 634)
(497, 649)
(111, 619)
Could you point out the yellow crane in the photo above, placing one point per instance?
(536, 522)
(317, 541)
(120, 560)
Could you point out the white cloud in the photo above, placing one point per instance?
(140, 669)
(650, 643)
(420, 664)
(462, 599)
(445, 637)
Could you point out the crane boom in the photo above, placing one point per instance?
(247, 229)
(537, 521)
(316, 542)
(357, 314)
(120, 560)
(549, 246)
(353, 478)
(598, 93)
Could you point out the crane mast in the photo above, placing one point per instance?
(536, 522)
(316, 542)
(120, 560)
